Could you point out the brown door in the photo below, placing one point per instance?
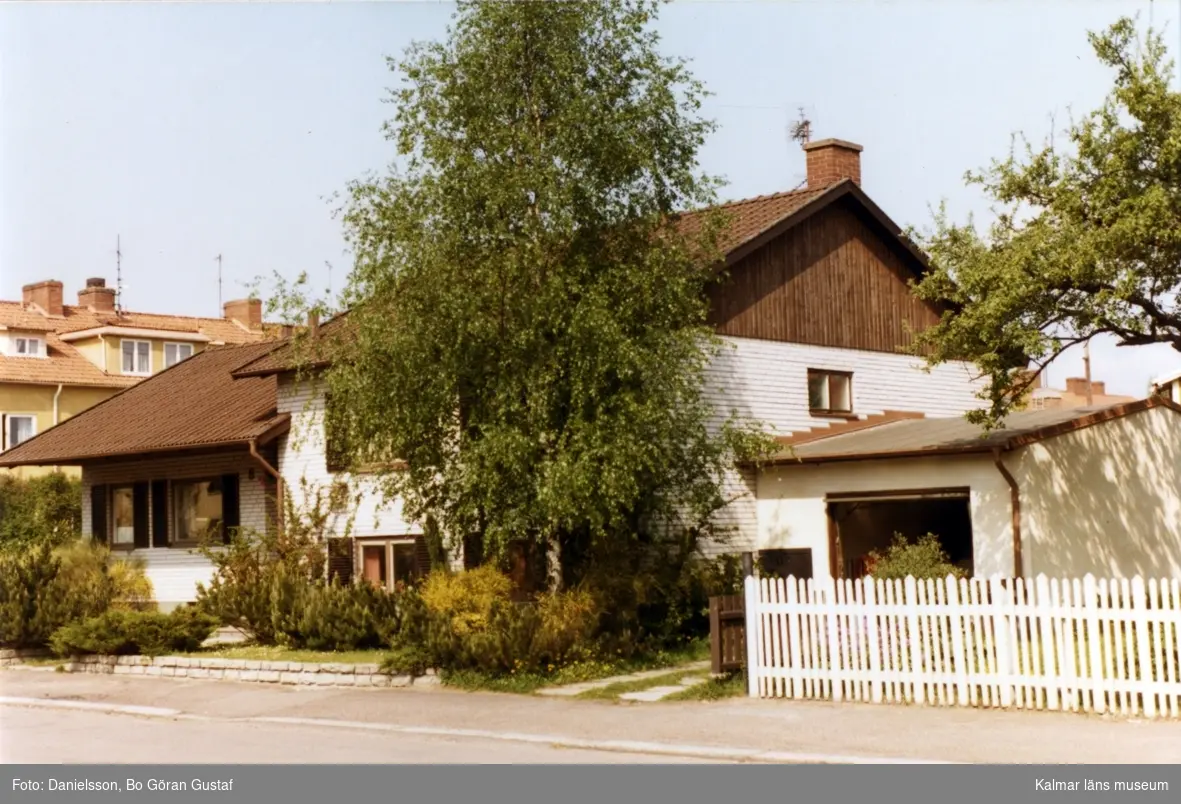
(373, 564)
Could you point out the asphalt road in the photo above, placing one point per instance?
(424, 725)
(49, 736)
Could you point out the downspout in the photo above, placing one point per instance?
(57, 394)
(1015, 506)
(102, 343)
(270, 470)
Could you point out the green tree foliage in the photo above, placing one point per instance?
(1087, 240)
(146, 633)
(39, 510)
(42, 589)
(528, 326)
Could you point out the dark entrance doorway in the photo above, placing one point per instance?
(861, 524)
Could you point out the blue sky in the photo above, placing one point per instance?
(196, 129)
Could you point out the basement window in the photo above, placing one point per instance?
(830, 392)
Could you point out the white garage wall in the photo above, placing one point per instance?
(1104, 500)
(791, 507)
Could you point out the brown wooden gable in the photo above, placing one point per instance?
(835, 278)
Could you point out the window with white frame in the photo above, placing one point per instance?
(137, 357)
(830, 392)
(25, 346)
(176, 352)
(18, 428)
(390, 563)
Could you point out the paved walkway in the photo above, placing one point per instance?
(799, 729)
(573, 690)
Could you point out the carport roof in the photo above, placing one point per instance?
(951, 436)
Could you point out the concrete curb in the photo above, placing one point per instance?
(714, 753)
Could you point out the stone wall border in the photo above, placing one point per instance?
(335, 674)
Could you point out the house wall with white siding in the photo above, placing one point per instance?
(176, 571)
(303, 465)
(767, 382)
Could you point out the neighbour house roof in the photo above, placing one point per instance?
(63, 364)
(195, 404)
(920, 437)
(1165, 379)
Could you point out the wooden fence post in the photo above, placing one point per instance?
(715, 635)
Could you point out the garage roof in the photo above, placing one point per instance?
(950, 436)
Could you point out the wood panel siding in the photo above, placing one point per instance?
(832, 280)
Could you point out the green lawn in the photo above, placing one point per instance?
(729, 686)
(278, 654)
(692, 651)
(612, 691)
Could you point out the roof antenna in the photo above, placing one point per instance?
(219, 304)
(118, 276)
(801, 130)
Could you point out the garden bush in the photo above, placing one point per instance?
(43, 589)
(37, 511)
(240, 594)
(326, 616)
(922, 558)
(467, 621)
(120, 632)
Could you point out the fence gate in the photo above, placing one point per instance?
(727, 633)
(1078, 644)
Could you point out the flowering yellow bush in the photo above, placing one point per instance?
(467, 598)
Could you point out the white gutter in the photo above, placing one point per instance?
(135, 332)
(57, 394)
(103, 344)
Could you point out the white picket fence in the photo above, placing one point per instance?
(1082, 645)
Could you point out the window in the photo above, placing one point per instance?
(28, 347)
(18, 428)
(198, 509)
(176, 352)
(389, 563)
(123, 512)
(830, 392)
(137, 357)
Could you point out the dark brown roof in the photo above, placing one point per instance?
(754, 221)
(303, 351)
(910, 438)
(195, 404)
(752, 216)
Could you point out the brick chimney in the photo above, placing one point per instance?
(831, 160)
(45, 296)
(1099, 388)
(1078, 386)
(247, 312)
(97, 296)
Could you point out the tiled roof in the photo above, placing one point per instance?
(942, 436)
(62, 364)
(65, 364)
(751, 217)
(301, 351)
(196, 403)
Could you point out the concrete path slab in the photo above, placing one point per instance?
(572, 690)
(651, 694)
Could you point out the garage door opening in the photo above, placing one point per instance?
(858, 527)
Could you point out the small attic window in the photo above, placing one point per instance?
(830, 392)
(23, 346)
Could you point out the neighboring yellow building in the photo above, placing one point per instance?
(57, 360)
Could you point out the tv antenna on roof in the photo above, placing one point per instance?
(118, 275)
(801, 129)
(219, 305)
